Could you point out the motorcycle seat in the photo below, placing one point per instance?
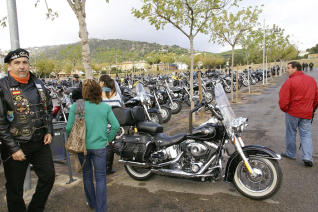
(164, 140)
(176, 89)
(149, 127)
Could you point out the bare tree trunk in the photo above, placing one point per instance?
(191, 71)
(78, 8)
(232, 67)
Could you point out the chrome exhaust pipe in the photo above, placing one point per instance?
(142, 165)
(169, 162)
(178, 173)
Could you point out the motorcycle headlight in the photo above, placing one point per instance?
(160, 96)
(239, 124)
(147, 100)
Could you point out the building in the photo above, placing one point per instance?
(128, 65)
(182, 66)
(312, 56)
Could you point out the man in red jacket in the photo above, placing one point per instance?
(298, 98)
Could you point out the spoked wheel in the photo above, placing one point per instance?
(227, 88)
(175, 107)
(186, 99)
(253, 81)
(165, 114)
(245, 83)
(155, 117)
(138, 173)
(266, 182)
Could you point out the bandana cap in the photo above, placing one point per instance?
(16, 54)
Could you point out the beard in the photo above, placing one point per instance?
(22, 73)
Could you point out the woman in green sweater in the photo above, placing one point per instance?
(97, 117)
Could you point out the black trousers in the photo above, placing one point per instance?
(40, 156)
(109, 158)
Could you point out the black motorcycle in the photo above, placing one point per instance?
(144, 100)
(145, 150)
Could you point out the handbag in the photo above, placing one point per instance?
(76, 140)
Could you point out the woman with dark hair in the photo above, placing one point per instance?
(97, 117)
(110, 94)
(111, 97)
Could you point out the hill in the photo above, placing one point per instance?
(111, 49)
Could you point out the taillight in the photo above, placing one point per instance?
(56, 109)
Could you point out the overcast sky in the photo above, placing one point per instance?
(114, 21)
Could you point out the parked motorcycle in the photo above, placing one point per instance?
(62, 109)
(145, 150)
(144, 100)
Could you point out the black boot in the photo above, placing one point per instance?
(109, 160)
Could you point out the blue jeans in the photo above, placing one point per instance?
(97, 158)
(304, 125)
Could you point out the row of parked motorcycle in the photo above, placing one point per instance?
(162, 95)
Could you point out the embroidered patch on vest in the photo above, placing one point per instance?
(14, 93)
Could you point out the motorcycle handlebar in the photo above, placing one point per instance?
(215, 113)
(201, 104)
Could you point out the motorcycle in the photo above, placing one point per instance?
(145, 150)
(64, 103)
(165, 110)
(144, 100)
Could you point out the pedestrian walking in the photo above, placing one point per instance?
(76, 82)
(25, 131)
(311, 66)
(97, 116)
(298, 98)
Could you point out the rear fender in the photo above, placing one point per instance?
(252, 150)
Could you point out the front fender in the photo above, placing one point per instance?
(251, 150)
(153, 110)
(166, 106)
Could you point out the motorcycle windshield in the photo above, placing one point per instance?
(118, 91)
(224, 106)
(140, 91)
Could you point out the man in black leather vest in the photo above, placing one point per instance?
(25, 131)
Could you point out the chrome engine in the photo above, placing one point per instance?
(195, 155)
(197, 149)
(166, 154)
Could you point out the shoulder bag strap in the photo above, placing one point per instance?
(80, 111)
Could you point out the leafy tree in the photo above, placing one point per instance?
(188, 16)
(186, 59)
(212, 61)
(152, 58)
(290, 53)
(72, 54)
(252, 44)
(44, 67)
(68, 67)
(109, 55)
(313, 50)
(4, 67)
(229, 28)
